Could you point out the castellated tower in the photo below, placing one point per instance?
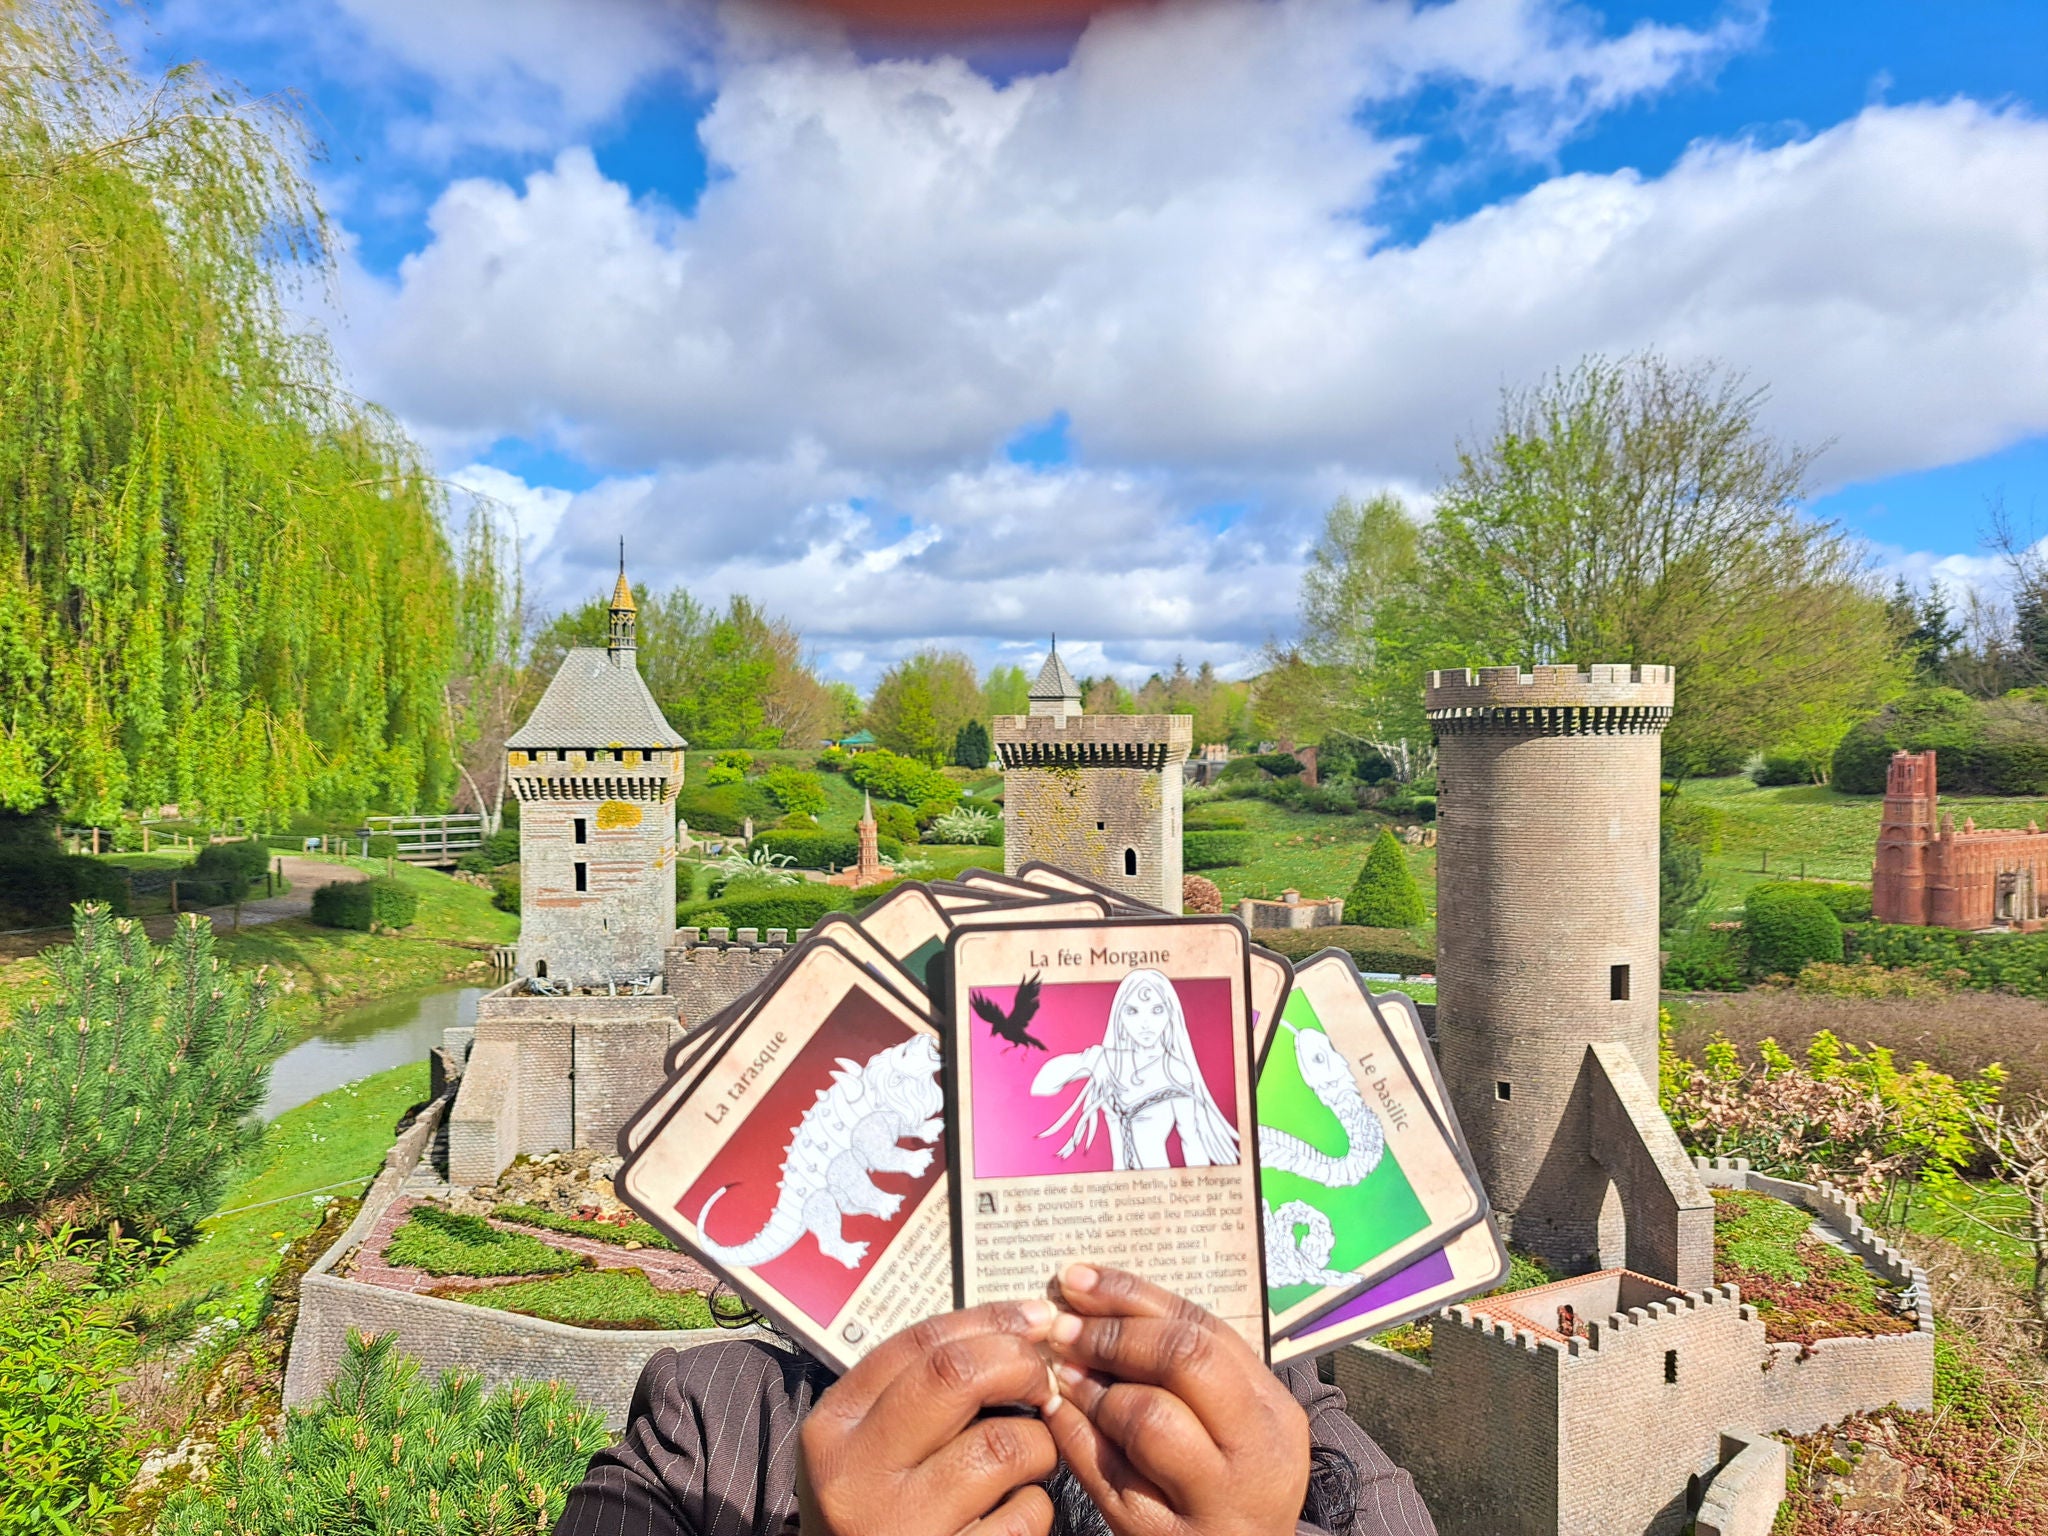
(596, 769)
(1097, 794)
(1547, 967)
(1899, 882)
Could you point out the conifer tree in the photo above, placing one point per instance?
(127, 1096)
(1385, 894)
(971, 747)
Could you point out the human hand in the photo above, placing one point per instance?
(897, 1446)
(1171, 1423)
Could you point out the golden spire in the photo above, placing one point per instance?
(622, 594)
(622, 609)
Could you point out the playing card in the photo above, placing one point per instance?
(802, 1164)
(1099, 1101)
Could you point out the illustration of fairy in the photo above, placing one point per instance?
(1142, 1082)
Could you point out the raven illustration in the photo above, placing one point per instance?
(1010, 1027)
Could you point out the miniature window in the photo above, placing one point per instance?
(582, 877)
(1101, 826)
(1671, 1365)
(1503, 1090)
(1617, 983)
(1130, 861)
(540, 969)
(582, 830)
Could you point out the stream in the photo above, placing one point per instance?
(373, 1038)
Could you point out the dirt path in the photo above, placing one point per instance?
(303, 875)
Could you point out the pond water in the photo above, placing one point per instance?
(366, 1040)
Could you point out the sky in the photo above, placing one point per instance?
(968, 341)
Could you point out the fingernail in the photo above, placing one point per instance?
(1069, 1373)
(1051, 1407)
(1078, 1277)
(1037, 1311)
(1066, 1328)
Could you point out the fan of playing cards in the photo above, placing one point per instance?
(977, 1081)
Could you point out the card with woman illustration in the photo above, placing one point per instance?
(1100, 1108)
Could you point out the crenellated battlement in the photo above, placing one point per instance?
(1551, 700)
(1614, 1309)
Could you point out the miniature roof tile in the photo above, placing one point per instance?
(595, 699)
(622, 594)
(1054, 680)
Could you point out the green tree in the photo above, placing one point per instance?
(129, 1092)
(971, 746)
(224, 580)
(1681, 881)
(920, 704)
(489, 691)
(1385, 894)
(1009, 691)
(1787, 929)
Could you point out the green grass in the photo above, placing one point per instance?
(1770, 834)
(603, 1231)
(447, 1243)
(278, 1193)
(1761, 1235)
(597, 1298)
(1949, 1217)
(1805, 1290)
(1317, 855)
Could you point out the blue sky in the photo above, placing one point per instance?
(918, 348)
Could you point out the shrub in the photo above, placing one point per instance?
(814, 849)
(758, 865)
(385, 1452)
(1942, 718)
(966, 824)
(505, 890)
(501, 847)
(724, 808)
(1775, 769)
(40, 883)
(2012, 758)
(895, 822)
(901, 779)
(1206, 820)
(1200, 896)
(790, 907)
(383, 846)
(1694, 823)
(1282, 765)
(1409, 803)
(1681, 881)
(1342, 756)
(1214, 850)
(64, 1353)
(1385, 894)
(972, 747)
(833, 760)
(1242, 770)
(1849, 903)
(1707, 959)
(366, 904)
(1391, 950)
(128, 1090)
(722, 773)
(474, 862)
(1785, 929)
(452, 1243)
(800, 793)
(234, 867)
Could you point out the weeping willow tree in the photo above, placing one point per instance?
(223, 581)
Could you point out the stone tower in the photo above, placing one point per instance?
(596, 769)
(1547, 967)
(1898, 883)
(1097, 794)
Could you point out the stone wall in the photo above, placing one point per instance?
(1325, 913)
(1742, 1498)
(705, 972)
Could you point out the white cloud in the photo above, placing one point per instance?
(806, 379)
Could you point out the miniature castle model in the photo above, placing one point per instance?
(1655, 1410)
(1934, 876)
(1097, 794)
(596, 769)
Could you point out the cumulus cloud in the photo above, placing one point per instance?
(802, 383)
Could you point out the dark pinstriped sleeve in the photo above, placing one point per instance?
(1388, 1504)
(709, 1450)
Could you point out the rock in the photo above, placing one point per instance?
(1863, 1479)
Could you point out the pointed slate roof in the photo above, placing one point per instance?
(595, 699)
(1054, 680)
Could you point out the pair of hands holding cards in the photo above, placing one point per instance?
(1168, 1419)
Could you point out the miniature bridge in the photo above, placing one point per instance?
(431, 840)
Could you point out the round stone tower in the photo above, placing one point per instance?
(1547, 876)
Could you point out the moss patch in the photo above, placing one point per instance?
(596, 1298)
(1803, 1289)
(620, 1232)
(447, 1243)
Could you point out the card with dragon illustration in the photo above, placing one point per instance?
(802, 1164)
(1359, 1174)
(1100, 1108)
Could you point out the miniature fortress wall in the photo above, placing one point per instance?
(1931, 875)
(1511, 1430)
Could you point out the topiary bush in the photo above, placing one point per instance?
(384, 1452)
(1389, 950)
(1385, 894)
(1849, 903)
(366, 904)
(1786, 929)
(1214, 850)
(505, 890)
(791, 907)
(1200, 896)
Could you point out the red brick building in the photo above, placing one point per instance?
(1939, 876)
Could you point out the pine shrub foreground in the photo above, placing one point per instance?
(385, 1452)
(127, 1096)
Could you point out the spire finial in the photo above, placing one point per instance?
(622, 557)
(622, 607)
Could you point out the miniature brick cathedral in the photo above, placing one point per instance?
(1097, 794)
(1930, 874)
(596, 768)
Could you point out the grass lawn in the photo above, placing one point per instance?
(279, 1192)
(450, 1243)
(1771, 834)
(1951, 1219)
(597, 1298)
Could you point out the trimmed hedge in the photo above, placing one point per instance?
(2009, 962)
(1385, 894)
(1214, 850)
(789, 906)
(796, 791)
(1371, 949)
(1787, 929)
(1214, 821)
(724, 808)
(364, 904)
(822, 850)
(1849, 903)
